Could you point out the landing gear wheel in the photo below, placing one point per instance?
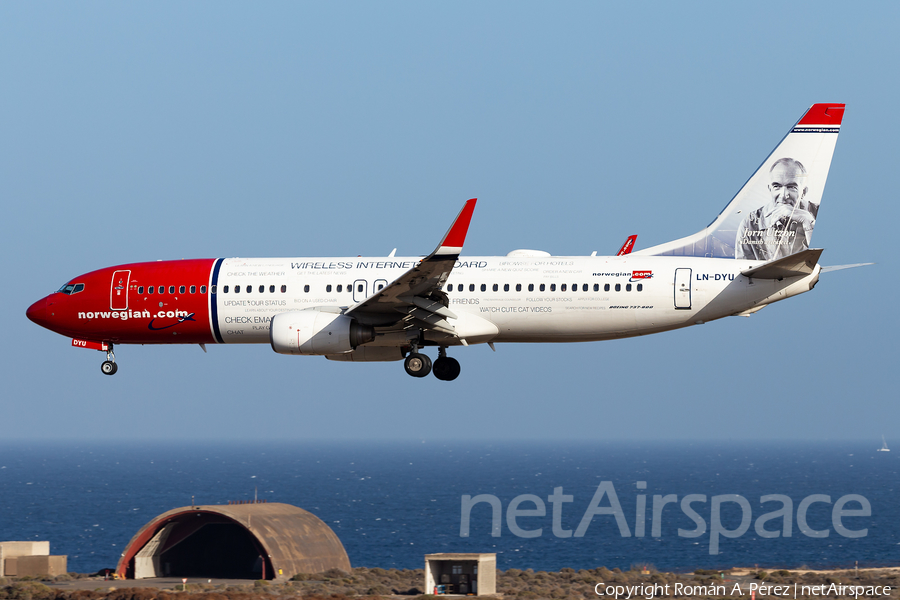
(446, 368)
(417, 365)
(109, 367)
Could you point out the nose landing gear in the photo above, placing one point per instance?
(109, 366)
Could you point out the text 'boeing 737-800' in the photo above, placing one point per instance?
(756, 252)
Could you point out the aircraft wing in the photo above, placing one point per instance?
(416, 297)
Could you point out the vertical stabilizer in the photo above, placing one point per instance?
(773, 215)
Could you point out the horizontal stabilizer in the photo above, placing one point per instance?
(795, 265)
(842, 267)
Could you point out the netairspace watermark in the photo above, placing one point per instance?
(606, 503)
(656, 590)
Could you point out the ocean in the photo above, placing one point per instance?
(392, 503)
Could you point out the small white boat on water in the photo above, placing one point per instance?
(884, 447)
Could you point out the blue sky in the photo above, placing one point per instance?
(143, 131)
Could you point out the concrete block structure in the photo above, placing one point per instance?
(462, 574)
(18, 559)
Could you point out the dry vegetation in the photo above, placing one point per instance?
(372, 584)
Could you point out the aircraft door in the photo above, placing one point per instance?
(682, 288)
(118, 290)
(360, 290)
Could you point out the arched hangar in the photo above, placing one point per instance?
(257, 540)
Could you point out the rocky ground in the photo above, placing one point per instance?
(364, 583)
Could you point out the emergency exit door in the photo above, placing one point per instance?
(360, 292)
(118, 290)
(682, 288)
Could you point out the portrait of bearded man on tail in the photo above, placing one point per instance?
(784, 225)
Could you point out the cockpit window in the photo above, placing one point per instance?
(71, 288)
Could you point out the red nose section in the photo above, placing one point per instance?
(37, 312)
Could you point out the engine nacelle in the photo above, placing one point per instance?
(317, 331)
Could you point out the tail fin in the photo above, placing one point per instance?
(774, 213)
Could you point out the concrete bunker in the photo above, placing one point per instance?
(257, 540)
(451, 573)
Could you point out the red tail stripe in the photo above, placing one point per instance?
(823, 114)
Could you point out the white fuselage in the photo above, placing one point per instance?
(582, 298)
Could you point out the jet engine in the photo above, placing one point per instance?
(317, 331)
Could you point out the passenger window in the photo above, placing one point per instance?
(483, 287)
(380, 286)
(171, 289)
(203, 289)
(562, 288)
(225, 290)
(552, 287)
(283, 289)
(628, 287)
(606, 288)
(518, 287)
(596, 287)
(262, 289)
(161, 289)
(328, 288)
(340, 288)
(237, 289)
(193, 289)
(505, 287)
(584, 287)
(212, 290)
(305, 288)
(495, 287)
(471, 287)
(249, 288)
(542, 287)
(618, 287)
(150, 290)
(640, 287)
(530, 287)
(140, 289)
(181, 289)
(359, 288)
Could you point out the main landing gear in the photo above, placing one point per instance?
(109, 366)
(419, 365)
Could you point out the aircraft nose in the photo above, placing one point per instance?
(37, 312)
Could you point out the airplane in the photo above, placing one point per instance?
(359, 309)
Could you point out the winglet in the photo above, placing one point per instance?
(627, 246)
(456, 236)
